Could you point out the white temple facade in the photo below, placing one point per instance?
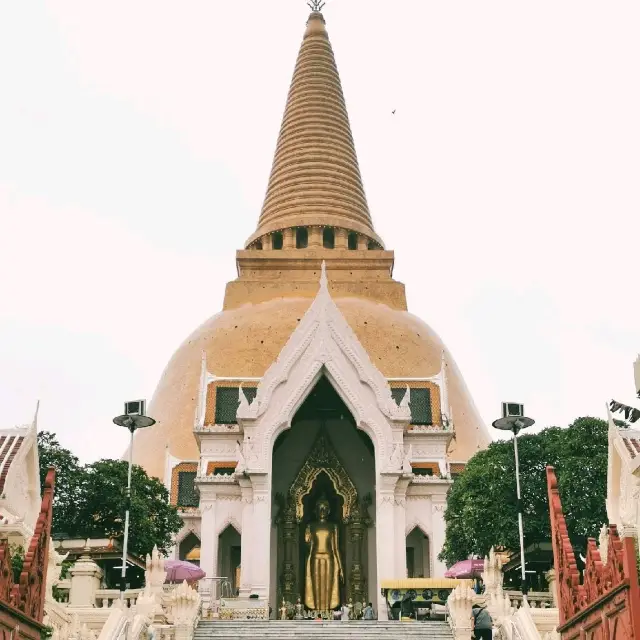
(314, 421)
(263, 466)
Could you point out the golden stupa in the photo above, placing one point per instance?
(315, 210)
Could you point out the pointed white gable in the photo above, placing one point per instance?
(322, 344)
(19, 478)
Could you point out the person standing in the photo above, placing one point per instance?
(367, 613)
(345, 613)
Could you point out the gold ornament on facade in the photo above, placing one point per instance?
(323, 458)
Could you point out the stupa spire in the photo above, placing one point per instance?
(315, 178)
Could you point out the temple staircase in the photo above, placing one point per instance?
(312, 630)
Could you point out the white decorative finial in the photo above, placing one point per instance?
(243, 402)
(201, 406)
(34, 425)
(406, 398)
(324, 283)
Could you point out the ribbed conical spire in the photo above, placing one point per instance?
(315, 178)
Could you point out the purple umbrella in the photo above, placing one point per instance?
(466, 569)
(181, 570)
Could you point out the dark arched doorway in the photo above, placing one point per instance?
(323, 456)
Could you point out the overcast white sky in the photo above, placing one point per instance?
(136, 139)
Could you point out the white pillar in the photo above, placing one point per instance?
(248, 536)
(385, 535)
(400, 519)
(438, 506)
(208, 537)
(208, 540)
(85, 582)
(261, 531)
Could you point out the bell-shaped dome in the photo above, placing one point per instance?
(244, 342)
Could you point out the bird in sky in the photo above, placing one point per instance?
(393, 112)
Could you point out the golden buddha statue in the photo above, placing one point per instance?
(324, 567)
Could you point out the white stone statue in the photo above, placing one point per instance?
(184, 606)
(603, 543)
(459, 604)
(492, 575)
(496, 599)
(155, 574)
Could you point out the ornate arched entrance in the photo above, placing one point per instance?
(335, 464)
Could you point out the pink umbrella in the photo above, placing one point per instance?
(466, 569)
(181, 570)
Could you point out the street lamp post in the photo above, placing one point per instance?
(513, 420)
(132, 419)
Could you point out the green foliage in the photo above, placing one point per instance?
(482, 506)
(69, 480)
(91, 500)
(46, 632)
(153, 520)
(17, 560)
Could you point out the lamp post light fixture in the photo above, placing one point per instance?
(132, 419)
(514, 420)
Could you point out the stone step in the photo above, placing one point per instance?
(312, 630)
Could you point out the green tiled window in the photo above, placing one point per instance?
(187, 494)
(419, 402)
(227, 401)
(226, 405)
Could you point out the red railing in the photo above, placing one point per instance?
(22, 603)
(606, 605)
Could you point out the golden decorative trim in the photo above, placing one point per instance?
(424, 583)
(426, 465)
(436, 416)
(182, 466)
(323, 458)
(212, 467)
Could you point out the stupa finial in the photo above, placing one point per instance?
(315, 5)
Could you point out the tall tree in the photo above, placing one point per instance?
(482, 506)
(153, 521)
(69, 480)
(90, 500)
